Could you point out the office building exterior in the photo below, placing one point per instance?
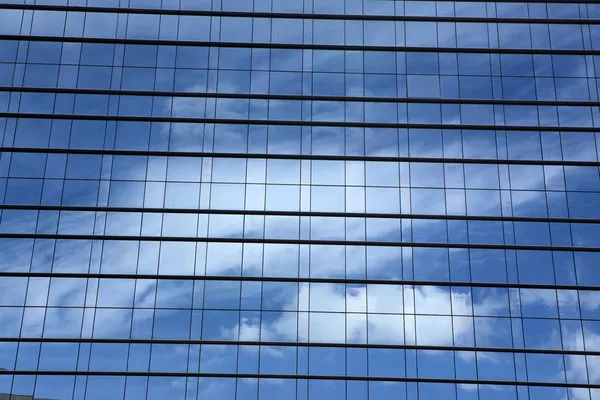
(276, 199)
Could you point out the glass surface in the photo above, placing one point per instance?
(265, 199)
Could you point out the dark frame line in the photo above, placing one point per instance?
(310, 214)
(299, 46)
(311, 157)
(301, 344)
(306, 280)
(304, 377)
(316, 16)
(323, 242)
(312, 123)
(293, 97)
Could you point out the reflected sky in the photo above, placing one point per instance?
(403, 180)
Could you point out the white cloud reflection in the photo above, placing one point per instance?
(366, 314)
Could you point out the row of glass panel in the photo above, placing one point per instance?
(315, 327)
(306, 172)
(354, 228)
(276, 197)
(340, 362)
(297, 60)
(294, 228)
(216, 303)
(334, 113)
(296, 83)
(290, 30)
(124, 135)
(358, 7)
(159, 388)
(289, 260)
(374, 299)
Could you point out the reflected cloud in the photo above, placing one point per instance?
(391, 314)
(390, 318)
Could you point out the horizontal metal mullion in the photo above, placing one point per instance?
(341, 124)
(301, 344)
(308, 280)
(298, 46)
(319, 16)
(291, 97)
(312, 157)
(316, 214)
(304, 377)
(367, 243)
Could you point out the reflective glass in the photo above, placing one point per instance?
(264, 199)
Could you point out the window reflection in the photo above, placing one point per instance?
(261, 198)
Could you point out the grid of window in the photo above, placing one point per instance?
(309, 200)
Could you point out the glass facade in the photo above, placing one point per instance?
(299, 199)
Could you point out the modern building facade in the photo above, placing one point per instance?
(310, 199)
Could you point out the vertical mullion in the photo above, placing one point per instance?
(210, 183)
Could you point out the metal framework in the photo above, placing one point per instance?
(8, 149)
